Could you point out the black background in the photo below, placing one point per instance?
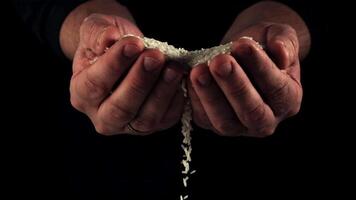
(53, 150)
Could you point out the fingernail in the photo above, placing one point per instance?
(150, 63)
(204, 79)
(225, 69)
(131, 50)
(169, 75)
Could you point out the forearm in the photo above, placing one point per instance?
(271, 12)
(69, 33)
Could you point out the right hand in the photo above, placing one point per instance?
(125, 83)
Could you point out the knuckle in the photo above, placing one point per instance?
(257, 116)
(77, 104)
(138, 88)
(117, 114)
(102, 129)
(240, 90)
(265, 131)
(279, 92)
(286, 100)
(94, 89)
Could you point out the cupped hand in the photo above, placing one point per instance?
(252, 90)
(116, 82)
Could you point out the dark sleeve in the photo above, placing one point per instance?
(45, 17)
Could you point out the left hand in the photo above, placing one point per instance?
(252, 90)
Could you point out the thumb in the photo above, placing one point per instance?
(282, 44)
(99, 32)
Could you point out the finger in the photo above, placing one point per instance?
(256, 62)
(96, 34)
(215, 104)
(95, 39)
(199, 115)
(106, 37)
(94, 83)
(242, 96)
(282, 44)
(157, 103)
(122, 106)
(174, 111)
(282, 92)
(109, 34)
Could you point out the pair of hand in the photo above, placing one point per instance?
(246, 93)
